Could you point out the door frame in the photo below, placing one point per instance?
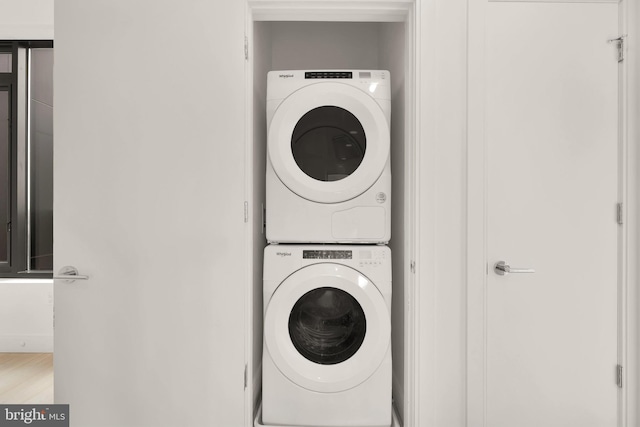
(476, 197)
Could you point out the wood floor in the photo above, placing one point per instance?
(26, 378)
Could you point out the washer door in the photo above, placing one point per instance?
(327, 328)
(328, 142)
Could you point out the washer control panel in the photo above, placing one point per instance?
(373, 261)
(364, 257)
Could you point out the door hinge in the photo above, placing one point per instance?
(620, 43)
(246, 211)
(619, 376)
(246, 48)
(619, 216)
(264, 219)
(246, 369)
(413, 266)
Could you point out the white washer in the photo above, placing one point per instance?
(327, 336)
(328, 174)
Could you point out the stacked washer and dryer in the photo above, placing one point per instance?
(327, 271)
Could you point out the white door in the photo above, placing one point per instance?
(149, 204)
(551, 135)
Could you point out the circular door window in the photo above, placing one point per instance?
(328, 143)
(327, 326)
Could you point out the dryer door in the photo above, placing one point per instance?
(327, 328)
(328, 142)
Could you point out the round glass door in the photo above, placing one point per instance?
(328, 143)
(327, 326)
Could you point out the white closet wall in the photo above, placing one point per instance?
(26, 20)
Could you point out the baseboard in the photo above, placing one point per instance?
(26, 344)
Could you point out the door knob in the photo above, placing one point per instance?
(502, 268)
(69, 274)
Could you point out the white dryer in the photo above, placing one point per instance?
(327, 336)
(328, 174)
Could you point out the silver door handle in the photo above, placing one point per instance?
(70, 274)
(502, 268)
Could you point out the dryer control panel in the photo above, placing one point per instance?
(281, 84)
(327, 254)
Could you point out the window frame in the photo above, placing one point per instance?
(18, 264)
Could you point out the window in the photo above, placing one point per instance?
(26, 159)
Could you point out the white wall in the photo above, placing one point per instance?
(26, 20)
(26, 316)
(325, 45)
(450, 219)
(441, 292)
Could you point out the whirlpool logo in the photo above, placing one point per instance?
(283, 254)
(36, 415)
(285, 76)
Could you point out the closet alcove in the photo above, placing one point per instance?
(368, 35)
